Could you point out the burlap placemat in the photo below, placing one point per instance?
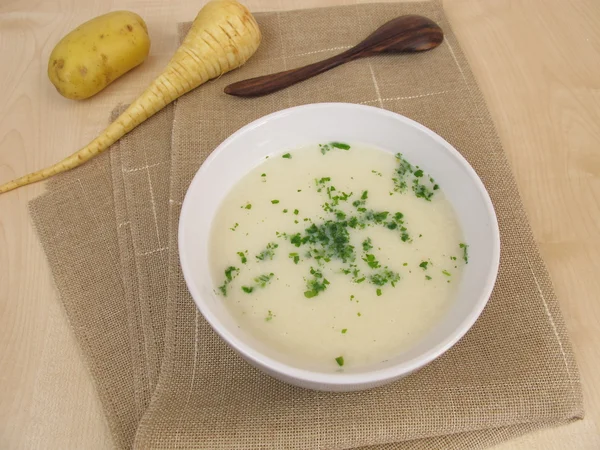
(141, 170)
(214, 400)
(75, 221)
(514, 368)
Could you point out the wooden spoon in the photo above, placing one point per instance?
(404, 34)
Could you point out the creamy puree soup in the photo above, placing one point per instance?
(337, 255)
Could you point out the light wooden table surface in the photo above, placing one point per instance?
(538, 64)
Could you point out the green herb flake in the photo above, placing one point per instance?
(445, 272)
(242, 256)
(274, 202)
(427, 277)
(465, 248)
(423, 265)
(384, 277)
(367, 245)
(340, 361)
(263, 280)
(247, 289)
(324, 148)
(296, 212)
(358, 314)
(231, 272)
(378, 292)
(295, 257)
(421, 191)
(270, 316)
(364, 195)
(371, 261)
(418, 173)
(340, 145)
(263, 174)
(405, 264)
(268, 252)
(287, 156)
(234, 226)
(344, 330)
(285, 211)
(248, 206)
(378, 174)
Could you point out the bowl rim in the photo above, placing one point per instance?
(343, 379)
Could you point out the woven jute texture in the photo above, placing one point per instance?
(109, 230)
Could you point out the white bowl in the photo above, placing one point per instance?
(323, 122)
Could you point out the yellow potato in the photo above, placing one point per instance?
(98, 52)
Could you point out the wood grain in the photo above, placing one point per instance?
(537, 62)
(405, 34)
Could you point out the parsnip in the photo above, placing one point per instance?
(222, 37)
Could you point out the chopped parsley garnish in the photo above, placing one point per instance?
(274, 201)
(327, 147)
(259, 282)
(340, 145)
(427, 277)
(242, 256)
(263, 174)
(376, 173)
(358, 314)
(405, 171)
(367, 245)
(234, 226)
(344, 330)
(385, 276)
(465, 248)
(267, 253)
(422, 191)
(364, 195)
(285, 211)
(340, 360)
(270, 316)
(423, 265)
(445, 272)
(263, 280)
(316, 285)
(371, 261)
(378, 292)
(287, 156)
(248, 206)
(295, 257)
(230, 273)
(296, 212)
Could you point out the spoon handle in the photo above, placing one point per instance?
(267, 84)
